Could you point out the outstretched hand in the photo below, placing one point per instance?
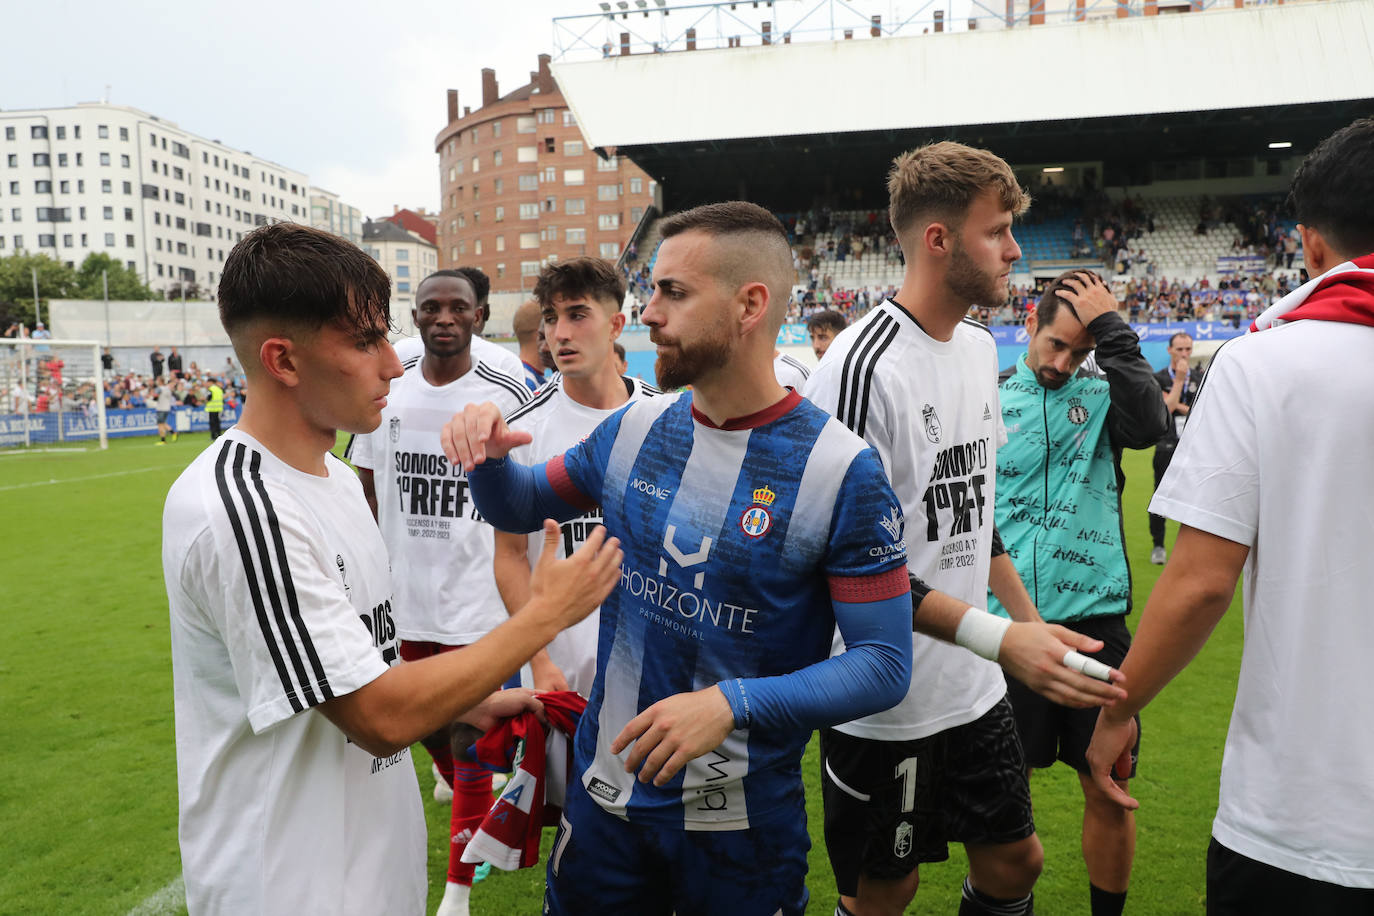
(1033, 653)
(575, 585)
(479, 433)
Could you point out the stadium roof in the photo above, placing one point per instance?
(1221, 83)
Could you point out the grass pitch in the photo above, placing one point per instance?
(88, 801)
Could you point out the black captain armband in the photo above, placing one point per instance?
(997, 548)
(919, 590)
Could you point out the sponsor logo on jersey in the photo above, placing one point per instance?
(650, 489)
(603, 789)
(932, 423)
(394, 429)
(901, 841)
(343, 573)
(893, 523)
(987, 411)
(684, 559)
(756, 521)
(1078, 414)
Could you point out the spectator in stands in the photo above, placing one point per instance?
(156, 360)
(174, 362)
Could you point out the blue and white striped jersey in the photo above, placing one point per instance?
(736, 541)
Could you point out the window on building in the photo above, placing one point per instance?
(476, 246)
(40, 159)
(529, 240)
(609, 164)
(610, 249)
(47, 241)
(403, 254)
(402, 286)
(574, 176)
(500, 243)
(529, 268)
(12, 160)
(524, 124)
(498, 185)
(64, 187)
(500, 214)
(9, 133)
(577, 236)
(80, 159)
(608, 221)
(61, 160)
(129, 241)
(103, 131)
(16, 215)
(476, 164)
(546, 116)
(528, 182)
(67, 240)
(496, 128)
(529, 211)
(128, 214)
(636, 214)
(496, 158)
(109, 239)
(550, 174)
(572, 147)
(403, 270)
(124, 133)
(107, 212)
(14, 187)
(549, 145)
(548, 234)
(636, 185)
(37, 132)
(42, 187)
(106, 186)
(526, 153)
(605, 192)
(568, 119)
(104, 158)
(575, 206)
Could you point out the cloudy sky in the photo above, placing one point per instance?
(350, 92)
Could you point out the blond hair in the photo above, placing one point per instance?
(939, 181)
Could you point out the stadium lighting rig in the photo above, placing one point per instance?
(1281, 144)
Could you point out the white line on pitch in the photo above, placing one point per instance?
(46, 483)
(171, 898)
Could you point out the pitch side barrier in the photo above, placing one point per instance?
(118, 423)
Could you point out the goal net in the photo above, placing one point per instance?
(53, 394)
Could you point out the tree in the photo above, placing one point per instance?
(124, 283)
(55, 281)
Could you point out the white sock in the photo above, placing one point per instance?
(455, 902)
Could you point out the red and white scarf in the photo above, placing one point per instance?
(533, 799)
(1343, 293)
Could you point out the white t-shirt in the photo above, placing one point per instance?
(410, 349)
(441, 548)
(280, 599)
(557, 423)
(1276, 455)
(930, 409)
(790, 371)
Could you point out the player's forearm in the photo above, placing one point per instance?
(511, 566)
(515, 498)
(872, 674)
(1187, 602)
(1008, 588)
(415, 699)
(938, 615)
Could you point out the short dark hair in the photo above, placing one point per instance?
(594, 278)
(305, 277)
(828, 318)
(1048, 306)
(1333, 189)
(619, 349)
(481, 287)
(1177, 334)
(728, 218)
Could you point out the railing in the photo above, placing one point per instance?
(625, 27)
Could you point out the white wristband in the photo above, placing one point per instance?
(1089, 666)
(981, 633)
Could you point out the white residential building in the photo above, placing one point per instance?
(407, 259)
(329, 213)
(113, 179)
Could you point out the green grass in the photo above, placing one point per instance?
(88, 797)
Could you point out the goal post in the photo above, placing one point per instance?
(53, 394)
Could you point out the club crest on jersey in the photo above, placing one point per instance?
(932, 421)
(394, 429)
(901, 841)
(756, 521)
(1078, 414)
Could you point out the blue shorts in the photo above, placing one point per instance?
(606, 866)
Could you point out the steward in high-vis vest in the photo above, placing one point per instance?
(214, 407)
(1080, 394)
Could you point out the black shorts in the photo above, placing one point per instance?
(1051, 732)
(1240, 886)
(891, 805)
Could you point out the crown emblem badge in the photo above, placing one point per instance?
(756, 520)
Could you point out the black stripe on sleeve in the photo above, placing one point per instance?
(250, 571)
(320, 678)
(890, 336)
(516, 387)
(540, 399)
(796, 364)
(272, 586)
(857, 374)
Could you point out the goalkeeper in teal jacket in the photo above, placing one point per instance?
(1080, 394)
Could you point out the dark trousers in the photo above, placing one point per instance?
(1240, 886)
(213, 417)
(1162, 458)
